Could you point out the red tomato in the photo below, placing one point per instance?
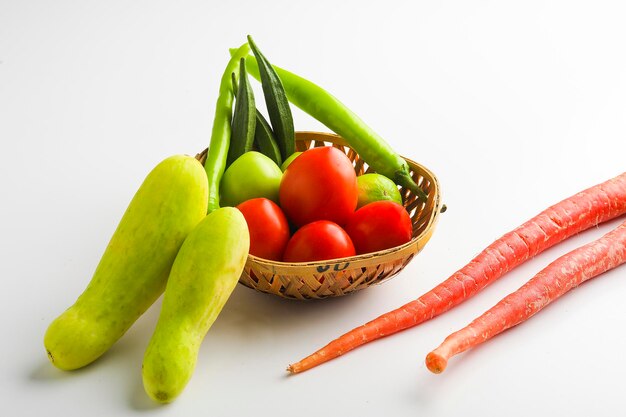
(318, 241)
(320, 184)
(379, 225)
(268, 226)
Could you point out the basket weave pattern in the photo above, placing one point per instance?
(332, 278)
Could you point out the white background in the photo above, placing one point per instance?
(514, 106)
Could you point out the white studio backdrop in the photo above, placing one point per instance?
(513, 105)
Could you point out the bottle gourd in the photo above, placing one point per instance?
(203, 276)
(134, 268)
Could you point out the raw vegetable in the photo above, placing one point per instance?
(324, 107)
(244, 118)
(276, 101)
(220, 134)
(133, 270)
(265, 140)
(376, 187)
(289, 160)
(379, 225)
(320, 184)
(252, 175)
(556, 279)
(204, 274)
(319, 241)
(577, 213)
(268, 226)
(263, 136)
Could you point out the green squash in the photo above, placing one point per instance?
(134, 268)
(203, 276)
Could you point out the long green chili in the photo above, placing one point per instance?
(220, 134)
(326, 108)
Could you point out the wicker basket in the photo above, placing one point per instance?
(332, 278)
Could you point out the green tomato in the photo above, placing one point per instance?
(252, 175)
(289, 160)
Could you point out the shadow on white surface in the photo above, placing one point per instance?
(250, 321)
(45, 372)
(139, 400)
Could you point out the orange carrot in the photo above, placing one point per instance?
(586, 209)
(556, 279)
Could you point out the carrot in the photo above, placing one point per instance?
(586, 209)
(556, 279)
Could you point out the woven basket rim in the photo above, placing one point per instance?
(356, 260)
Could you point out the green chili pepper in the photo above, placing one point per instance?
(263, 135)
(276, 101)
(324, 107)
(244, 120)
(215, 163)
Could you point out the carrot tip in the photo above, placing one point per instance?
(436, 363)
